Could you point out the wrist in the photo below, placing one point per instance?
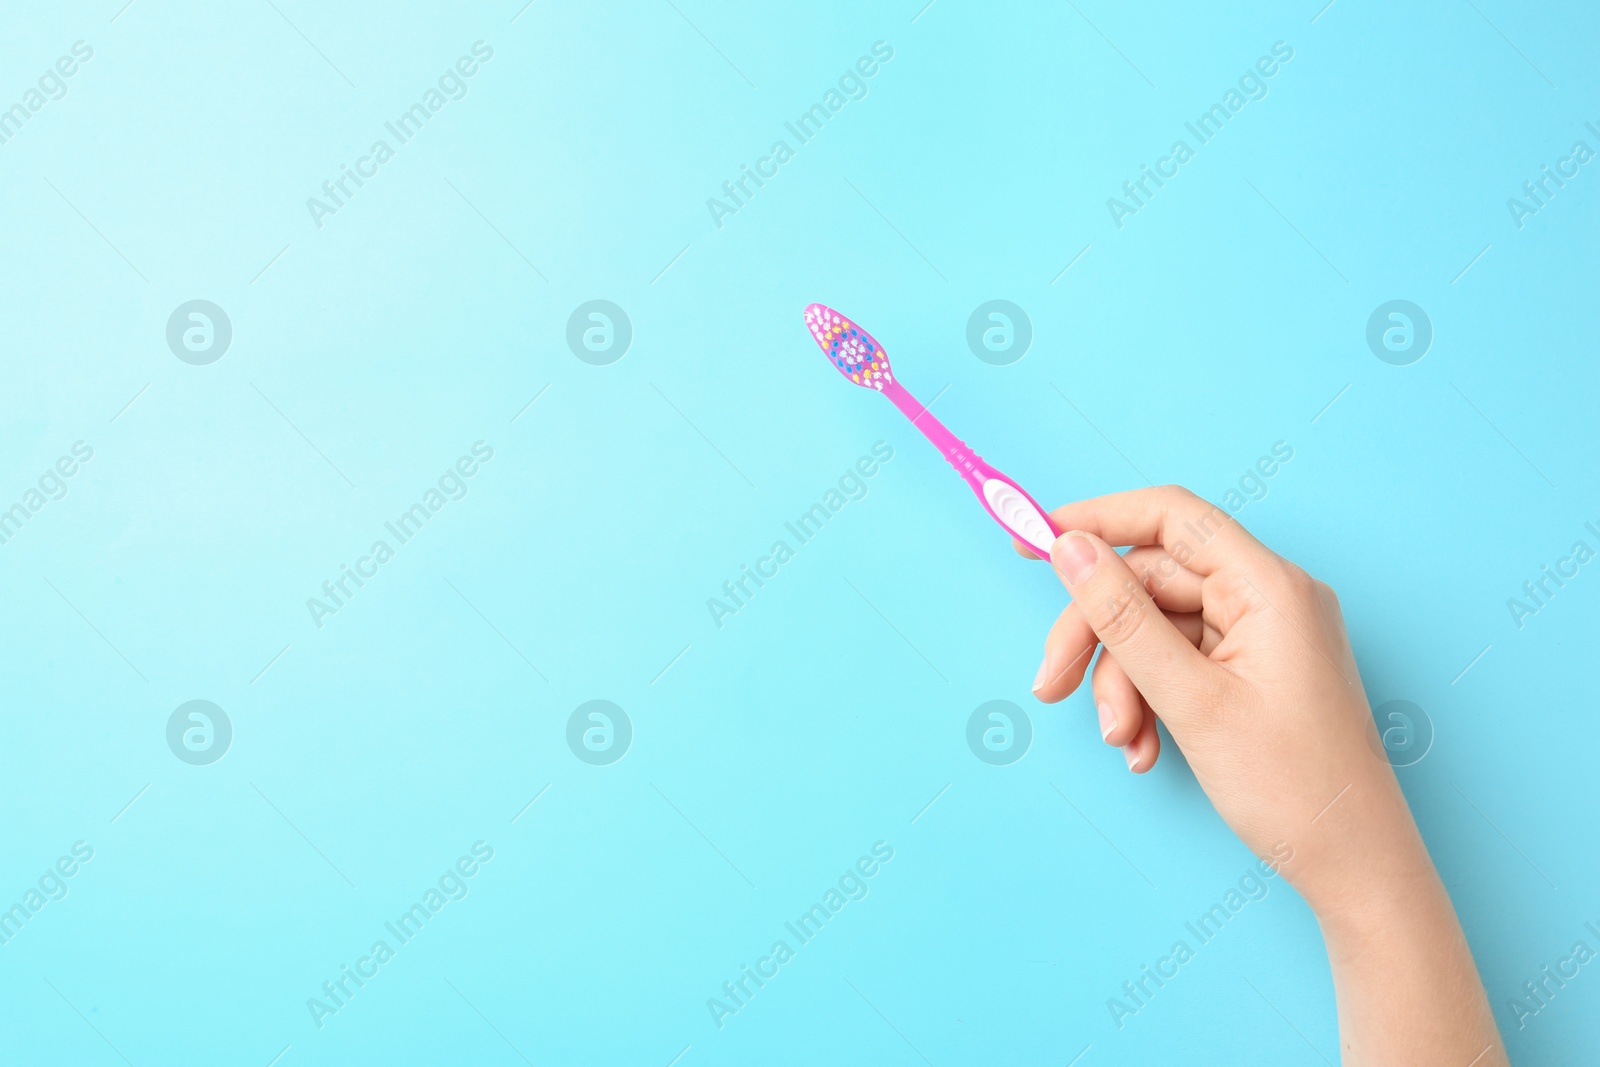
(1382, 907)
(1365, 865)
(1404, 978)
(1377, 885)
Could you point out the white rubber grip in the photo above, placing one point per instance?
(1019, 515)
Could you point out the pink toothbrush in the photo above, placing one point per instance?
(862, 359)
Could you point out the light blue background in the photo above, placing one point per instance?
(771, 753)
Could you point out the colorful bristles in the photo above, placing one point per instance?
(853, 350)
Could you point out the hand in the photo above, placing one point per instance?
(1244, 657)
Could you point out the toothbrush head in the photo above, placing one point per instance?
(854, 351)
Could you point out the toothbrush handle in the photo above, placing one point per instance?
(1006, 502)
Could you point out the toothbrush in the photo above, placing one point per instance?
(860, 358)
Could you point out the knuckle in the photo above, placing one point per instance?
(1174, 493)
(1285, 579)
(1121, 615)
(1304, 586)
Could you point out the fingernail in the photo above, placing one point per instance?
(1043, 676)
(1131, 754)
(1108, 718)
(1074, 557)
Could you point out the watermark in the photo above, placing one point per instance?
(452, 885)
(999, 332)
(1137, 993)
(852, 485)
(1552, 978)
(451, 485)
(1175, 560)
(599, 332)
(52, 485)
(738, 992)
(1403, 733)
(1537, 592)
(51, 886)
(599, 732)
(199, 332)
(999, 732)
(1537, 192)
(199, 732)
(737, 192)
(52, 85)
(1252, 85)
(451, 85)
(1253, 483)
(1399, 332)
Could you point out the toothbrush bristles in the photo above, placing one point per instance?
(853, 351)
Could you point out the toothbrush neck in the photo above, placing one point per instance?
(909, 405)
(954, 450)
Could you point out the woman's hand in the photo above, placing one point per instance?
(1244, 657)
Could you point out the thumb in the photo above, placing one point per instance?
(1158, 659)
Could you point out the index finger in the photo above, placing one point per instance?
(1199, 535)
